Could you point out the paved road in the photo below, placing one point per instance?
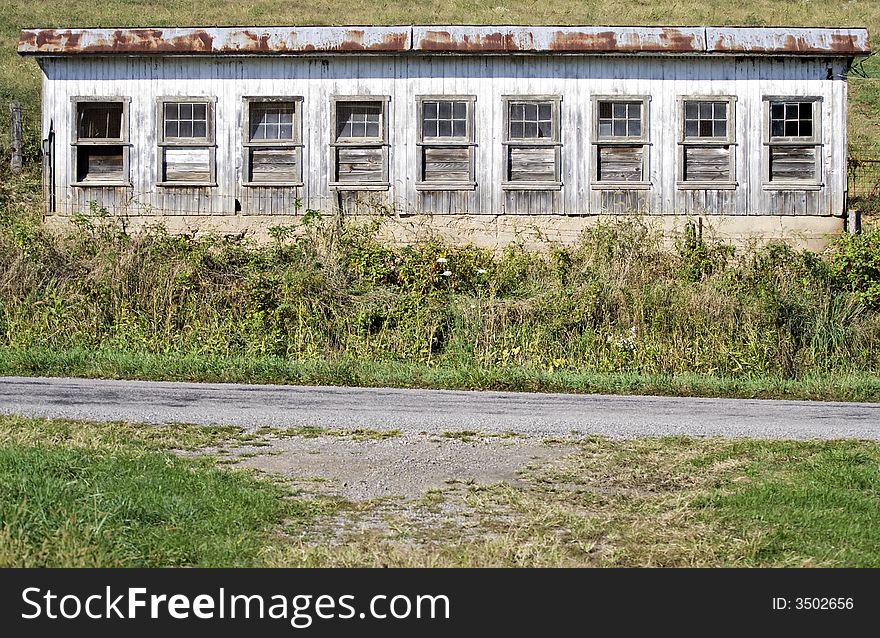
(433, 410)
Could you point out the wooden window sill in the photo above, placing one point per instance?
(375, 186)
(531, 186)
(620, 186)
(446, 186)
(272, 184)
(706, 186)
(101, 184)
(792, 186)
(187, 184)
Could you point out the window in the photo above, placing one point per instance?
(360, 143)
(186, 142)
(793, 158)
(446, 143)
(706, 144)
(620, 135)
(272, 148)
(100, 141)
(532, 146)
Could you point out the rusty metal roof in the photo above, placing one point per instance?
(446, 39)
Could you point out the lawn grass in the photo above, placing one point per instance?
(83, 494)
(110, 364)
(76, 494)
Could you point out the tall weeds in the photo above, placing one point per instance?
(618, 300)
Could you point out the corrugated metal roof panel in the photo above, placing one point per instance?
(217, 41)
(445, 39)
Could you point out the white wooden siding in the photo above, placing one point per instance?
(574, 78)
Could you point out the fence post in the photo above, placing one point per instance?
(15, 131)
(853, 221)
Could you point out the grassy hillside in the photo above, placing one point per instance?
(19, 79)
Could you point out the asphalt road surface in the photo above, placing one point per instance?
(433, 410)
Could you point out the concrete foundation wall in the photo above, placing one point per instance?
(535, 231)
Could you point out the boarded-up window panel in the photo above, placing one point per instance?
(99, 164)
(620, 163)
(447, 164)
(532, 164)
(792, 163)
(360, 165)
(187, 165)
(271, 165)
(707, 164)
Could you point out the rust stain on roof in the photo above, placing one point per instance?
(444, 39)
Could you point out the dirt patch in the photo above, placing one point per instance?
(402, 466)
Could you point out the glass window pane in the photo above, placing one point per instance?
(635, 127)
(186, 111)
(545, 129)
(372, 129)
(171, 112)
(517, 111)
(445, 110)
(691, 110)
(171, 128)
(200, 129)
(460, 110)
(635, 110)
(791, 128)
(806, 110)
(516, 130)
(721, 128)
(430, 110)
(459, 128)
(544, 111)
(777, 110)
(345, 130)
(791, 111)
(286, 132)
(605, 128)
(186, 128)
(690, 128)
(721, 110)
(706, 110)
(619, 128)
(706, 128)
(777, 128)
(619, 109)
(531, 130)
(200, 111)
(604, 109)
(531, 112)
(806, 128)
(445, 128)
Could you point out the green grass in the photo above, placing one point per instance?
(82, 494)
(75, 494)
(103, 364)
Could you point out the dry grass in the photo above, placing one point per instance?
(647, 502)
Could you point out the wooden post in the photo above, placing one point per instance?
(15, 131)
(854, 221)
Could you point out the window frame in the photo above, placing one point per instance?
(643, 140)
(468, 141)
(814, 140)
(554, 141)
(703, 142)
(248, 144)
(209, 141)
(365, 142)
(123, 140)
